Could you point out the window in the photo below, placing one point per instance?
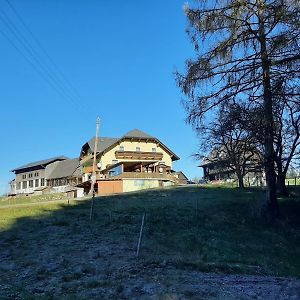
(42, 181)
(30, 183)
(24, 184)
(36, 183)
(36, 174)
(18, 185)
(138, 149)
(30, 175)
(121, 148)
(24, 176)
(153, 149)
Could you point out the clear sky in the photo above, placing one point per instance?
(117, 56)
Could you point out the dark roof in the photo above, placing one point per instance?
(43, 162)
(136, 133)
(65, 168)
(103, 143)
(106, 142)
(182, 174)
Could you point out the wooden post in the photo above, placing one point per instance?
(140, 237)
(92, 206)
(95, 155)
(94, 168)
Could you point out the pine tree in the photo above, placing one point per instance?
(241, 47)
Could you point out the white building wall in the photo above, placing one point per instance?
(130, 185)
(20, 180)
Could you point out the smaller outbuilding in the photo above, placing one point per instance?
(31, 176)
(63, 175)
(181, 177)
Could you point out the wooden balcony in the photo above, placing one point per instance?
(139, 155)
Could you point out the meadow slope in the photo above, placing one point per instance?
(198, 242)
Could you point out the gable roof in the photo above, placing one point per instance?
(136, 133)
(64, 168)
(43, 162)
(105, 143)
(180, 173)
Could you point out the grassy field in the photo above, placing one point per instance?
(23, 199)
(191, 228)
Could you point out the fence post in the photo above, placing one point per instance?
(140, 237)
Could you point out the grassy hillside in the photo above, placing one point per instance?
(189, 228)
(23, 199)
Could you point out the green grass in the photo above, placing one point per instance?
(23, 199)
(195, 228)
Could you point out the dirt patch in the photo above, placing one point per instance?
(108, 270)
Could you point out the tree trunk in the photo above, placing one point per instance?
(241, 181)
(282, 190)
(271, 198)
(281, 175)
(239, 173)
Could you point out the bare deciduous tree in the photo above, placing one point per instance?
(226, 142)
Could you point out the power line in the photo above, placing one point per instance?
(34, 56)
(31, 63)
(35, 60)
(20, 38)
(71, 87)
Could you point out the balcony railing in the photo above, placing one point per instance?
(139, 155)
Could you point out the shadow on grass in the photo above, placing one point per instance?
(54, 248)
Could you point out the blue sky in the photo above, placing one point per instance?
(119, 57)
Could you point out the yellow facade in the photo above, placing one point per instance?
(109, 157)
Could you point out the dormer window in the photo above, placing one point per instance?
(138, 149)
(153, 149)
(121, 148)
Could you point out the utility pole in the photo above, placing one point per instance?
(93, 179)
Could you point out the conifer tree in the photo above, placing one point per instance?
(242, 47)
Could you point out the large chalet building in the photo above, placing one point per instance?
(132, 162)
